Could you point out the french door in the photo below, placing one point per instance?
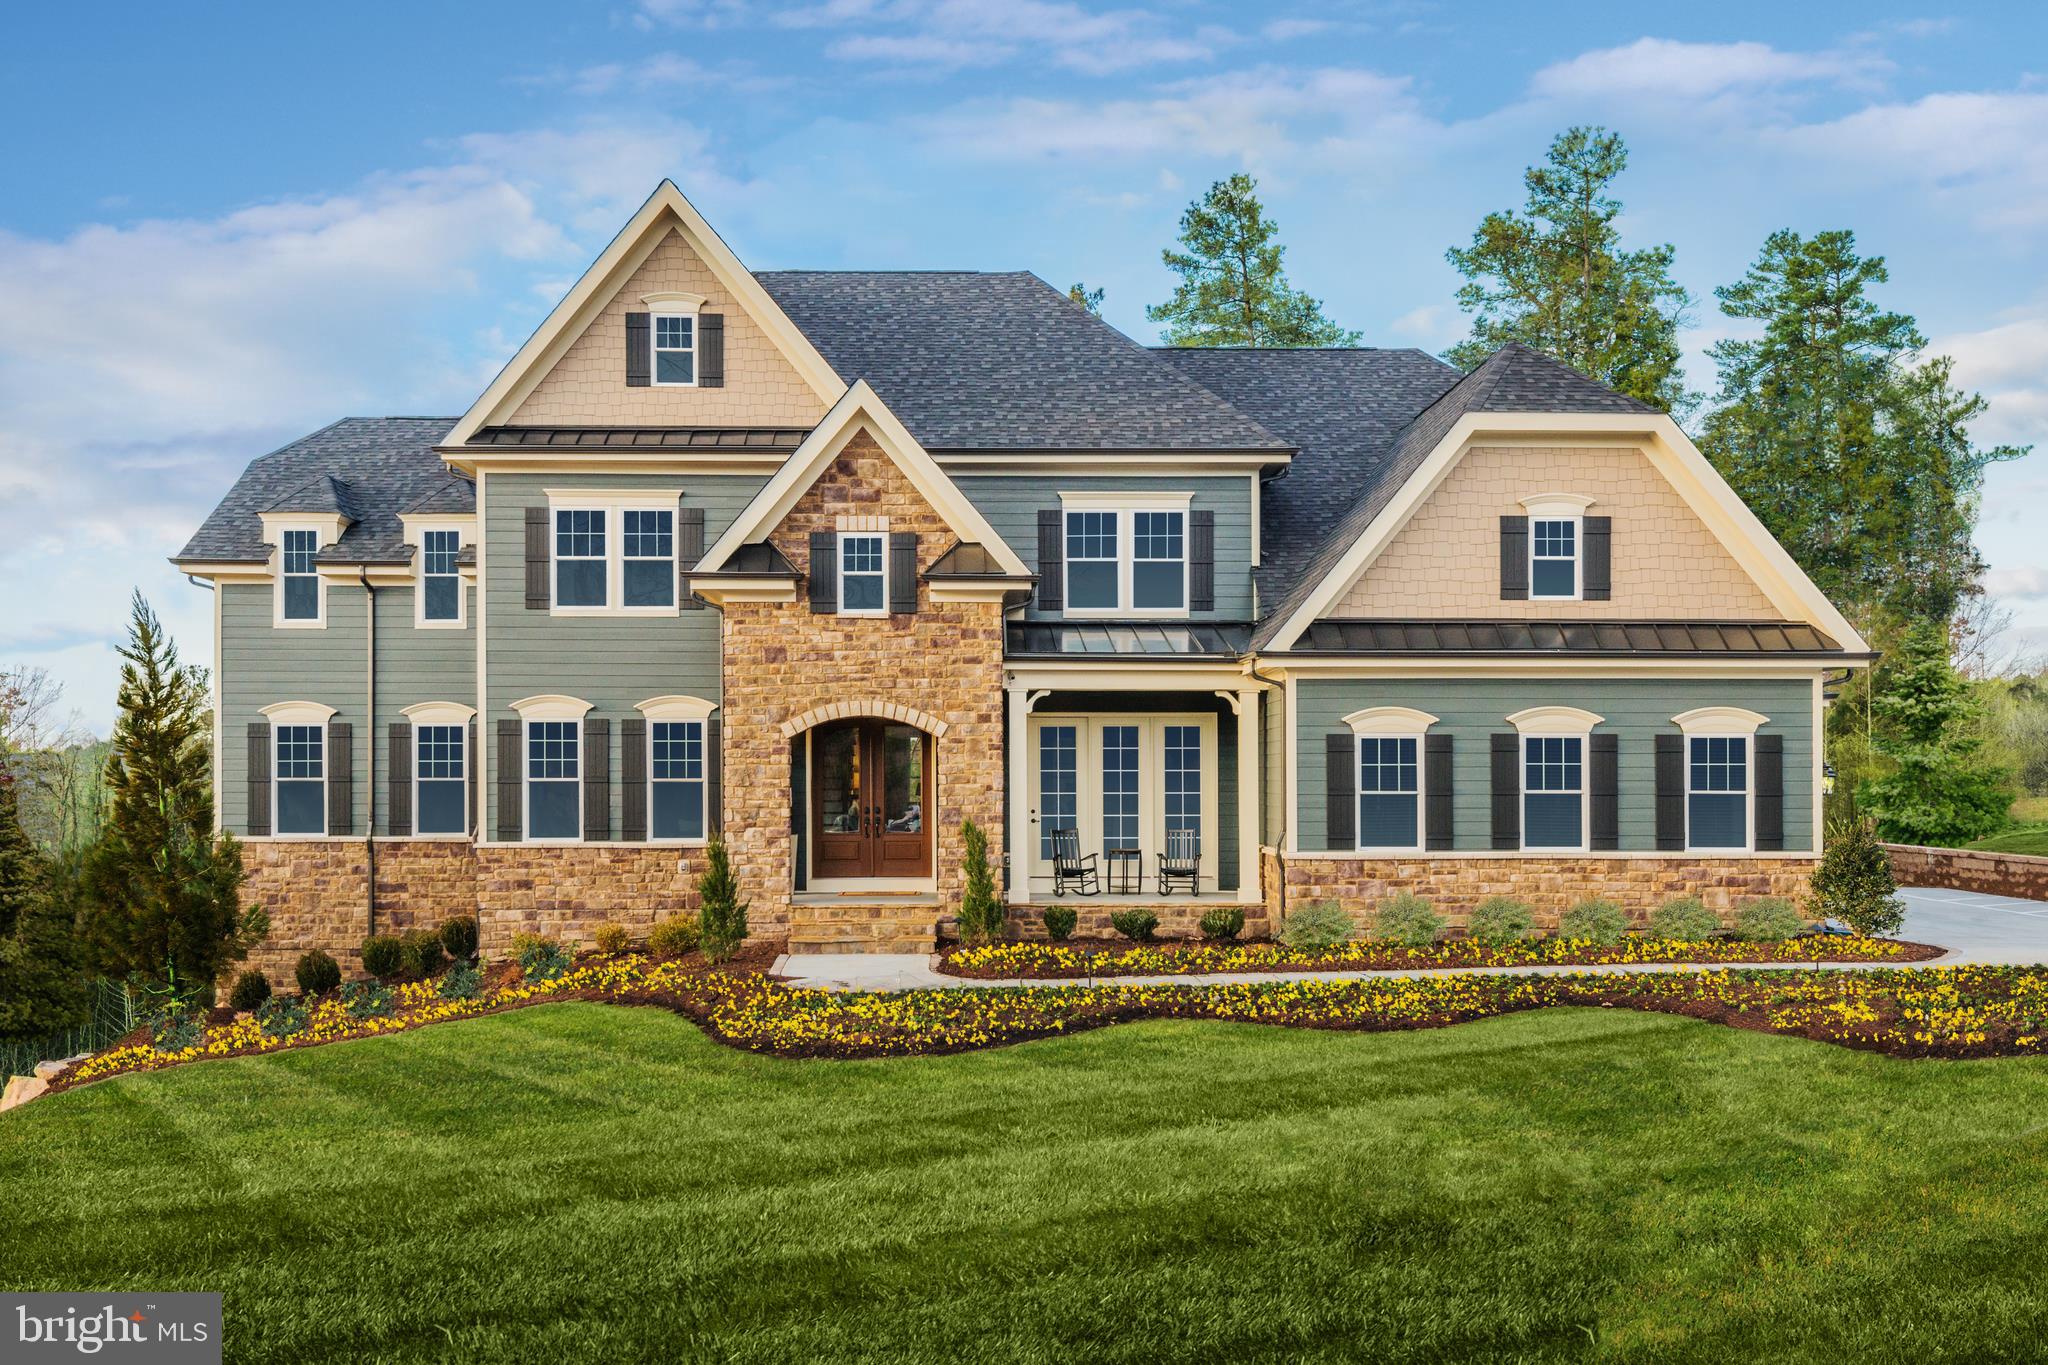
(870, 801)
(1124, 781)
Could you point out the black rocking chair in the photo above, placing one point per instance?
(1071, 867)
(1181, 863)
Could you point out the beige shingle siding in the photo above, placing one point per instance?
(1446, 562)
(587, 387)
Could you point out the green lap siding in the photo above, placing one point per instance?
(1011, 504)
(612, 662)
(416, 665)
(1634, 709)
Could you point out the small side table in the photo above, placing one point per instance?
(1126, 869)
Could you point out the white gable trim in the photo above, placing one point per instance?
(860, 408)
(665, 211)
(1669, 451)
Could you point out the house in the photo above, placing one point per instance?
(834, 561)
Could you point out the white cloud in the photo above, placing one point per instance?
(927, 50)
(1286, 30)
(1432, 326)
(703, 14)
(1667, 69)
(2021, 582)
(2008, 364)
(1986, 148)
(946, 35)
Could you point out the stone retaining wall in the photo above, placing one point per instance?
(1968, 869)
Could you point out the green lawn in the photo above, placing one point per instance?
(2034, 840)
(590, 1182)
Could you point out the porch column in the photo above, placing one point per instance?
(1250, 798)
(1017, 785)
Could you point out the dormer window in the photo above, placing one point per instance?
(301, 580)
(440, 578)
(675, 349)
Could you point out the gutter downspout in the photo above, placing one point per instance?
(370, 769)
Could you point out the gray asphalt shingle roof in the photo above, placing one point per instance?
(974, 361)
(383, 465)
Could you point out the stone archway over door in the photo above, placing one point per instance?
(871, 801)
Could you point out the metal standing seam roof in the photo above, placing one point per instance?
(659, 438)
(1336, 635)
(1169, 639)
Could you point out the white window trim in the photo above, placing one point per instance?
(1151, 787)
(1578, 559)
(1359, 737)
(1748, 738)
(321, 540)
(416, 529)
(548, 706)
(428, 713)
(1719, 722)
(673, 305)
(678, 710)
(614, 505)
(299, 713)
(1556, 722)
(1126, 506)
(842, 545)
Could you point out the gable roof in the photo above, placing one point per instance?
(977, 361)
(378, 467)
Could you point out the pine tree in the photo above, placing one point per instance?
(981, 911)
(1091, 299)
(1232, 291)
(163, 889)
(721, 914)
(1555, 278)
(1854, 883)
(1853, 453)
(1941, 790)
(42, 989)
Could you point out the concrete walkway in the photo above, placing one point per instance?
(1974, 928)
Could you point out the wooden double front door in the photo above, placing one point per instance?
(871, 784)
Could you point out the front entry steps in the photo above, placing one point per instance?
(864, 922)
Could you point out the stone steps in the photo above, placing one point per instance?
(864, 926)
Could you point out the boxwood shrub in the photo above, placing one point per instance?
(1594, 921)
(1684, 919)
(1406, 919)
(1059, 922)
(1135, 925)
(458, 937)
(383, 955)
(317, 973)
(1501, 919)
(1318, 927)
(1770, 919)
(252, 988)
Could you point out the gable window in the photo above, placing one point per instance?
(863, 580)
(299, 580)
(1717, 791)
(580, 558)
(1092, 561)
(440, 578)
(1554, 558)
(441, 795)
(1553, 791)
(554, 789)
(675, 349)
(650, 558)
(1389, 792)
(675, 775)
(300, 778)
(1159, 568)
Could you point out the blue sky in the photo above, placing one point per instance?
(229, 225)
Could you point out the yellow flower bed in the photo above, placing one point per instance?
(1946, 1011)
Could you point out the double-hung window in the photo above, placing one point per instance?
(675, 349)
(299, 578)
(1554, 558)
(554, 788)
(1389, 792)
(441, 775)
(581, 562)
(1553, 791)
(1717, 791)
(675, 775)
(440, 578)
(1159, 561)
(301, 778)
(1123, 560)
(650, 557)
(863, 574)
(1092, 561)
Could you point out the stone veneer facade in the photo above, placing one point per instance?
(783, 661)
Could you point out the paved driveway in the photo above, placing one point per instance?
(1975, 927)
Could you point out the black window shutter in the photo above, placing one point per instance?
(1507, 791)
(398, 770)
(1340, 788)
(824, 571)
(1770, 793)
(1440, 788)
(1604, 779)
(511, 786)
(1514, 561)
(472, 764)
(689, 550)
(1201, 561)
(714, 775)
(537, 594)
(1670, 792)
(638, 353)
(597, 779)
(1599, 566)
(902, 572)
(341, 777)
(1052, 560)
(258, 814)
(633, 779)
(711, 350)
